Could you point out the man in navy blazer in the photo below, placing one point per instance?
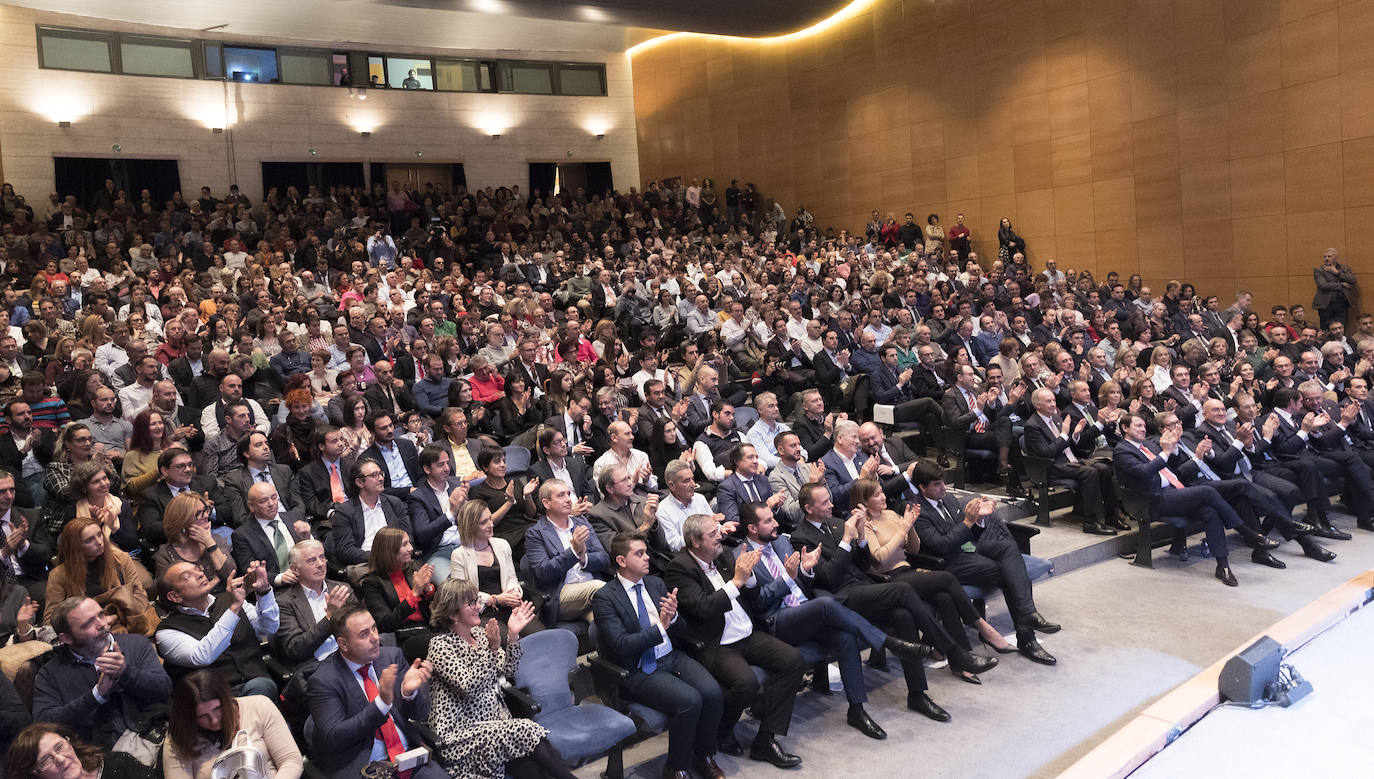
(1049, 436)
(399, 458)
(255, 537)
(845, 463)
(633, 634)
(436, 535)
(1142, 466)
(746, 484)
(565, 556)
(348, 727)
(788, 605)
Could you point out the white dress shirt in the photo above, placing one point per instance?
(738, 625)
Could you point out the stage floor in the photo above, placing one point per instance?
(1326, 733)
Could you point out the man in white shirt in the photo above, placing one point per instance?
(623, 453)
(222, 633)
(766, 428)
(109, 357)
(136, 397)
(309, 606)
(682, 502)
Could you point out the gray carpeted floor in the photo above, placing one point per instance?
(1130, 635)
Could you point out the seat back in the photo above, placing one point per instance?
(549, 656)
(744, 417)
(517, 460)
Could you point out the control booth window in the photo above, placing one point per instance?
(406, 73)
(245, 64)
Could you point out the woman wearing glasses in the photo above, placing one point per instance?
(189, 540)
(48, 751)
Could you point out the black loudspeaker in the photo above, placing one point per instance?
(1245, 676)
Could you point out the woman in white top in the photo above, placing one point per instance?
(485, 560)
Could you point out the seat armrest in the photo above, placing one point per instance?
(602, 665)
(521, 703)
(926, 560)
(1022, 535)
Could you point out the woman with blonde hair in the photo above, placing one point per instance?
(94, 332)
(485, 559)
(89, 565)
(895, 537)
(186, 521)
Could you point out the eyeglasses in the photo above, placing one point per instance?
(62, 748)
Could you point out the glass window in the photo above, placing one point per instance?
(376, 73)
(214, 61)
(156, 57)
(404, 73)
(581, 80)
(527, 78)
(340, 75)
(245, 64)
(306, 67)
(456, 76)
(74, 50)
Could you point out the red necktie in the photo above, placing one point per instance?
(387, 732)
(336, 490)
(1165, 472)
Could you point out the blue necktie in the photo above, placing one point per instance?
(647, 661)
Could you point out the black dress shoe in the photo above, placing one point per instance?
(922, 704)
(706, 766)
(769, 751)
(907, 650)
(1118, 523)
(1097, 529)
(964, 660)
(1227, 578)
(669, 773)
(942, 460)
(1031, 650)
(877, 659)
(860, 721)
(1300, 528)
(1254, 539)
(1315, 550)
(1039, 624)
(727, 744)
(1004, 650)
(1181, 552)
(1326, 530)
(1264, 558)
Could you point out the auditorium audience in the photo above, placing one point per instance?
(302, 437)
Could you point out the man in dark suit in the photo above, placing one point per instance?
(185, 368)
(362, 699)
(813, 425)
(1230, 333)
(23, 444)
(747, 483)
(526, 366)
(789, 606)
(1142, 466)
(432, 513)
(979, 551)
(698, 414)
(27, 544)
(575, 424)
(926, 380)
(255, 454)
(714, 610)
(398, 457)
(385, 395)
(349, 539)
(1187, 396)
(831, 364)
(267, 532)
(1256, 493)
(557, 463)
(308, 609)
(1300, 434)
(320, 482)
(177, 474)
(1049, 436)
(896, 388)
(842, 572)
(634, 614)
(564, 556)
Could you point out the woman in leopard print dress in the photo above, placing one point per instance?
(478, 737)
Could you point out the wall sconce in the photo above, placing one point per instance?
(217, 130)
(419, 153)
(495, 135)
(64, 124)
(601, 136)
(366, 133)
(312, 151)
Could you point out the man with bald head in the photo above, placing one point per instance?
(267, 533)
(622, 453)
(231, 391)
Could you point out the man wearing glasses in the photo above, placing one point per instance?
(357, 520)
(176, 474)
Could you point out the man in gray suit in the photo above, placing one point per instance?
(791, 472)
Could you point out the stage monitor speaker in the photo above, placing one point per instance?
(1245, 676)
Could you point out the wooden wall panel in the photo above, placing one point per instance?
(1230, 141)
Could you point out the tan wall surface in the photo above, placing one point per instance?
(1225, 142)
(172, 118)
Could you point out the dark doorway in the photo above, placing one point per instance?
(85, 176)
(303, 175)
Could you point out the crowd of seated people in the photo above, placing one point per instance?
(308, 470)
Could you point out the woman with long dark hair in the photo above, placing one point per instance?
(151, 434)
(88, 564)
(204, 720)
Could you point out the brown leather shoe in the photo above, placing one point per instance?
(706, 766)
